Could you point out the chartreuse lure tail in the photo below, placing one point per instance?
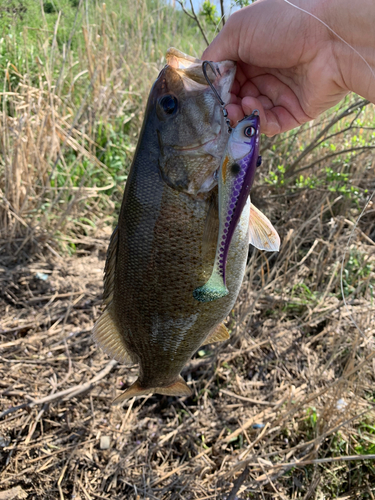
(215, 287)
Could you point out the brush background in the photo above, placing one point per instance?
(74, 79)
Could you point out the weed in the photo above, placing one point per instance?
(357, 271)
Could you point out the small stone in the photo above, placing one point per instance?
(4, 442)
(105, 442)
(41, 276)
(341, 404)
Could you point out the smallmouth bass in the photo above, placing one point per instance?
(165, 243)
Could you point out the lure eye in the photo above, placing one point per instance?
(168, 103)
(235, 168)
(249, 131)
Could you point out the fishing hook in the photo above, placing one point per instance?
(219, 99)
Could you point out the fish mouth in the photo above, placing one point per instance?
(221, 75)
(196, 147)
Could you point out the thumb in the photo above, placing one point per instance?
(225, 45)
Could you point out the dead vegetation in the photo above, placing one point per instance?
(284, 409)
(290, 396)
(68, 124)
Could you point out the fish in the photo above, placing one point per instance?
(235, 179)
(165, 241)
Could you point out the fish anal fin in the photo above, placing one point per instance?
(107, 335)
(178, 388)
(262, 234)
(218, 335)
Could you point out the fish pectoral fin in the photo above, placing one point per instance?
(178, 388)
(218, 335)
(262, 234)
(214, 289)
(107, 335)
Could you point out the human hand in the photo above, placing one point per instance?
(290, 66)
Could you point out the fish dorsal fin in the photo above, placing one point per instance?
(211, 229)
(108, 336)
(262, 234)
(105, 331)
(218, 335)
(110, 267)
(178, 388)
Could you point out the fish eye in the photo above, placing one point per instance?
(249, 131)
(168, 103)
(235, 168)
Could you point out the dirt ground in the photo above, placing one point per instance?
(278, 411)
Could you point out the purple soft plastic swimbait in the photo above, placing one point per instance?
(235, 178)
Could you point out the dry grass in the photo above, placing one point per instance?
(284, 409)
(60, 116)
(268, 399)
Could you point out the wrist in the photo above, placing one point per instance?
(352, 41)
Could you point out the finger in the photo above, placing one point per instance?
(266, 103)
(235, 113)
(241, 77)
(273, 121)
(268, 121)
(269, 124)
(280, 94)
(225, 45)
(285, 119)
(233, 99)
(236, 87)
(248, 89)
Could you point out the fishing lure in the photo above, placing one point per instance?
(235, 178)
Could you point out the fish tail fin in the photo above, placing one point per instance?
(214, 289)
(178, 388)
